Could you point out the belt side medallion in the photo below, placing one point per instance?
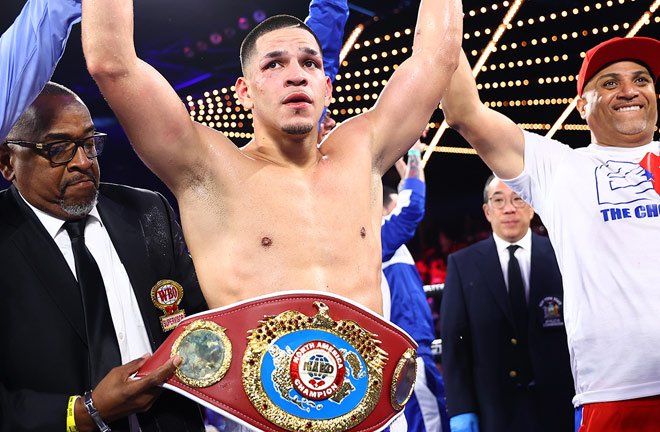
(206, 352)
(307, 373)
(403, 382)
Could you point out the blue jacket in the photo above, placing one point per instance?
(410, 310)
(327, 19)
(29, 52)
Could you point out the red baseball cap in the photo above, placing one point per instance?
(642, 49)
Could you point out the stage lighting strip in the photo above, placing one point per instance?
(484, 9)
(554, 38)
(472, 13)
(552, 16)
(564, 36)
(366, 84)
(379, 39)
(527, 102)
(366, 72)
(454, 150)
(518, 83)
(645, 19)
(528, 62)
(503, 84)
(340, 88)
(475, 71)
(532, 21)
(565, 13)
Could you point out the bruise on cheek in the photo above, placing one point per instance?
(266, 242)
(363, 232)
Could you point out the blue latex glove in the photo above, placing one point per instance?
(468, 422)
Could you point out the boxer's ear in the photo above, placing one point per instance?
(243, 93)
(328, 92)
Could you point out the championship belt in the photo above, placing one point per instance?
(294, 361)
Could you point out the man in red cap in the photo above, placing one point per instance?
(602, 209)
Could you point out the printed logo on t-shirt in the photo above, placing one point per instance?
(621, 183)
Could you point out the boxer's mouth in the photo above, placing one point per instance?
(297, 98)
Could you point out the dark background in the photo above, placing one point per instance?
(174, 36)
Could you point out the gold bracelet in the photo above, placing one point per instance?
(70, 415)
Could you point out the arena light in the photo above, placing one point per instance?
(475, 71)
(350, 42)
(645, 19)
(453, 150)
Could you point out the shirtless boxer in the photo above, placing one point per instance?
(279, 213)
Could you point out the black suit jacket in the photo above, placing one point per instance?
(44, 350)
(479, 335)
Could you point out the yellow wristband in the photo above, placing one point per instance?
(70, 415)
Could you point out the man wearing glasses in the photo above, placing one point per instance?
(504, 349)
(79, 259)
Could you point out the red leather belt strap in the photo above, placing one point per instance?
(288, 325)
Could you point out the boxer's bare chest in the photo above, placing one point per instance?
(279, 229)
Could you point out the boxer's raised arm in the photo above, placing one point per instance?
(497, 139)
(416, 87)
(154, 118)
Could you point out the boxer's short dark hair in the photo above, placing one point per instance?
(266, 26)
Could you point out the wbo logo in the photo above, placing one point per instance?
(622, 182)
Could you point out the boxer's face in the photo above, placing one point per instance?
(509, 219)
(286, 88)
(58, 190)
(620, 105)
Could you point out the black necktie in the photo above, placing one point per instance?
(101, 339)
(517, 292)
(520, 314)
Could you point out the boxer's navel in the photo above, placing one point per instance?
(266, 242)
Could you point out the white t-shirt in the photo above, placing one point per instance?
(603, 218)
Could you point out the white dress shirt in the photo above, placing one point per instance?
(129, 326)
(126, 318)
(523, 254)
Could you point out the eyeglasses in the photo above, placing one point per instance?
(499, 202)
(63, 152)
